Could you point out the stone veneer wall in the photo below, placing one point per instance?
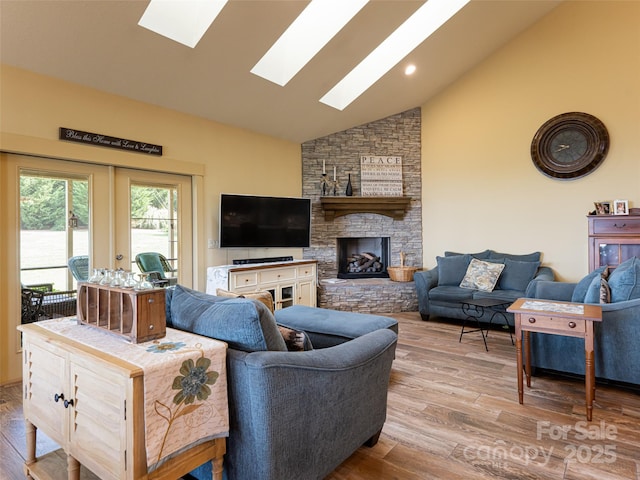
(397, 135)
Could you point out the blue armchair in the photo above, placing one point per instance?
(79, 267)
(616, 338)
(291, 414)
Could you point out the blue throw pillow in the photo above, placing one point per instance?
(580, 292)
(517, 275)
(451, 270)
(625, 281)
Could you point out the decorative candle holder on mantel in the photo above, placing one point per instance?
(324, 185)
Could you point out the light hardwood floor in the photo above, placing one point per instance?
(454, 414)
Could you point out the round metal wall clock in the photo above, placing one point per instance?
(570, 145)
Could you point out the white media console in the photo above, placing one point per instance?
(290, 283)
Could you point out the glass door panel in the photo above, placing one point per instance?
(613, 254)
(54, 227)
(153, 214)
(154, 222)
(609, 254)
(286, 296)
(628, 250)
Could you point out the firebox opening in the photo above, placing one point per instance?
(363, 257)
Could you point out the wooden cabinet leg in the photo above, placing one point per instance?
(590, 369)
(216, 465)
(589, 383)
(527, 357)
(73, 468)
(30, 434)
(519, 367)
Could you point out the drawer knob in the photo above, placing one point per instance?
(572, 324)
(619, 226)
(57, 397)
(150, 327)
(67, 403)
(532, 320)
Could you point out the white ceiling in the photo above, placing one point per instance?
(98, 43)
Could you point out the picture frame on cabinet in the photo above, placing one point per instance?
(599, 208)
(620, 207)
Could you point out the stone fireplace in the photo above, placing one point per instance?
(397, 135)
(362, 257)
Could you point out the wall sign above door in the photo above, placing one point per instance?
(100, 140)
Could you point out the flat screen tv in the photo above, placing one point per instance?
(249, 221)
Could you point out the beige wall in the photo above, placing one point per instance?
(480, 187)
(220, 159)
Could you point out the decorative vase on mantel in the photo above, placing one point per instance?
(349, 191)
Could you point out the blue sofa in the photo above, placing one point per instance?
(616, 338)
(440, 294)
(292, 414)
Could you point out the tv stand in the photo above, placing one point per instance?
(247, 261)
(292, 282)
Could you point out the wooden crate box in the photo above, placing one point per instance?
(136, 315)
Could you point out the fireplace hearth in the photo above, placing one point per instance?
(363, 257)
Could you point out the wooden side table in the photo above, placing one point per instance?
(556, 318)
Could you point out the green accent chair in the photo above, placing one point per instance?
(157, 266)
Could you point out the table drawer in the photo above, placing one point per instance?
(620, 224)
(277, 275)
(548, 323)
(245, 279)
(306, 271)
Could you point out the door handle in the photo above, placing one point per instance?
(119, 256)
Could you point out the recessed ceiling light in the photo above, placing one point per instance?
(410, 70)
(305, 37)
(415, 30)
(184, 21)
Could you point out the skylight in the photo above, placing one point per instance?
(184, 21)
(318, 23)
(415, 30)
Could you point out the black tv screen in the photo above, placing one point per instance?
(251, 221)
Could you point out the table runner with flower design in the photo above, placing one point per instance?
(185, 384)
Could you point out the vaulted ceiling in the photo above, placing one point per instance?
(98, 43)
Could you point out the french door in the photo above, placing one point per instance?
(153, 214)
(107, 213)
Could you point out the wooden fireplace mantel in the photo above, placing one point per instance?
(394, 207)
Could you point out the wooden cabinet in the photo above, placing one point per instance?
(82, 403)
(91, 404)
(290, 283)
(613, 239)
